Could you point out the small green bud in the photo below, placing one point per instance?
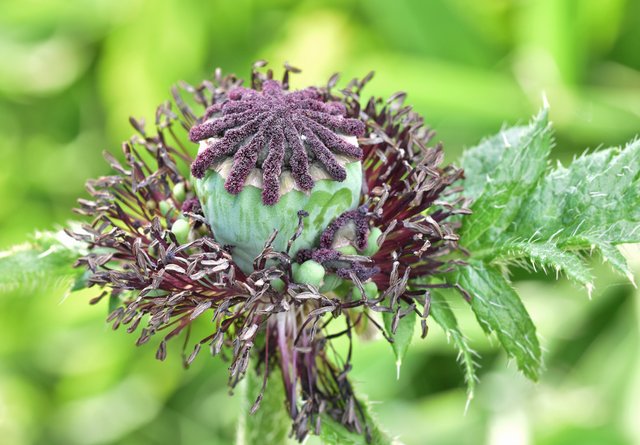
(309, 272)
(347, 250)
(165, 207)
(181, 229)
(151, 204)
(179, 192)
(370, 290)
(277, 284)
(372, 242)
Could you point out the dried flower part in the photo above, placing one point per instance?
(260, 315)
(408, 193)
(276, 131)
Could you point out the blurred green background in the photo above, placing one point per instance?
(72, 72)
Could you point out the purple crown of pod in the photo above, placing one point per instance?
(275, 130)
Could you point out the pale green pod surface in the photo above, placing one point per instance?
(372, 242)
(278, 285)
(179, 191)
(347, 250)
(309, 272)
(180, 229)
(243, 221)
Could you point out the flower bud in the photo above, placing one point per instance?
(179, 192)
(330, 283)
(180, 229)
(277, 284)
(165, 207)
(347, 250)
(309, 272)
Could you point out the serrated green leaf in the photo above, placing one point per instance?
(271, 422)
(498, 309)
(595, 199)
(612, 255)
(481, 162)
(334, 433)
(502, 186)
(44, 261)
(403, 334)
(526, 213)
(547, 256)
(441, 312)
(594, 203)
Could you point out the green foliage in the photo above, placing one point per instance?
(401, 332)
(592, 204)
(526, 213)
(442, 313)
(498, 309)
(546, 255)
(502, 170)
(44, 261)
(270, 423)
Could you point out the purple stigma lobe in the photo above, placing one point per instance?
(302, 129)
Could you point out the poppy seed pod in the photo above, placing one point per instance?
(267, 154)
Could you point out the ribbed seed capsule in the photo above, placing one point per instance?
(264, 156)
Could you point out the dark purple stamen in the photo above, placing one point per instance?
(293, 129)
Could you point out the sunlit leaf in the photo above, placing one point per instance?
(547, 256)
(502, 185)
(441, 312)
(591, 205)
(44, 261)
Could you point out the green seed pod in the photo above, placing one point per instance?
(181, 229)
(277, 284)
(347, 250)
(309, 272)
(372, 242)
(245, 222)
(179, 192)
(165, 207)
